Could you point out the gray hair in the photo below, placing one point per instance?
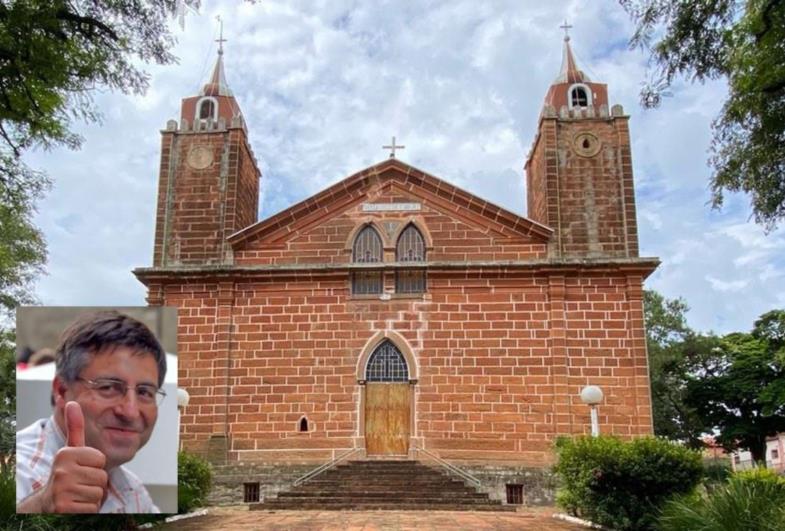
(92, 333)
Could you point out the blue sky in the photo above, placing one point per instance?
(324, 84)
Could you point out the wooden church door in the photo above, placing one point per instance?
(387, 402)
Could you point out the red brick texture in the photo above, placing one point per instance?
(502, 341)
(501, 357)
(199, 208)
(588, 200)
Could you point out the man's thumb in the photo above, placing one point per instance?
(74, 424)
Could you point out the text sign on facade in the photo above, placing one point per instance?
(390, 207)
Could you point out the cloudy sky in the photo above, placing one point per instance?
(324, 83)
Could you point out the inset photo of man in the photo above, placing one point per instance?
(96, 410)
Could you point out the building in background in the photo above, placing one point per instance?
(775, 452)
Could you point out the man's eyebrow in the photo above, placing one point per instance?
(116, 379)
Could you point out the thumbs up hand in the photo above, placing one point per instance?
(77, 483)
(74, 425)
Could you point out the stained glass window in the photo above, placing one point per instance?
(367, 248)
(410, 248)
(386, 364)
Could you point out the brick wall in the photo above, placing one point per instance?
(588, 200)
(454, 237)
(501, 356)
(198, 208)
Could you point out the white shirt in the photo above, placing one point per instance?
(36, 447)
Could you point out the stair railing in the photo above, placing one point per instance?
(450, 467)
(325, 466)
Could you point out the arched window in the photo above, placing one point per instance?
(580, 96)
(367, 248)
(386, 364)
(410, 248)
(207, 109)
(303, 426)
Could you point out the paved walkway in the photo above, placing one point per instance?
(239, 518)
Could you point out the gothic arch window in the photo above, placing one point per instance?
(207, 109)
(386, 364)
(410, 248)
(580, 96)
(367, 248)
(302, 426)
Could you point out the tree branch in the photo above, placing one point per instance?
(62, 14)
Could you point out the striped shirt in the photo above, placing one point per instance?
(36, 447)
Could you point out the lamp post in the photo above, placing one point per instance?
(182, 400)
(591, 395)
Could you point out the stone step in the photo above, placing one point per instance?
(383, 494)
(384, 480)
(383, 485)
(380, 506)
(390, 497)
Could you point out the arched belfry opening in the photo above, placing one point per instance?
(388, 401)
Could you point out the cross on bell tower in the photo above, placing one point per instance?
(566, 27)
(220, 40)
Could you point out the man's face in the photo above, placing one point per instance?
(121, 427)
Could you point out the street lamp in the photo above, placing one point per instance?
(591, 395)
(182, 400)
(182, 397)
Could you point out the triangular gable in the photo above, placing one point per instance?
(352, 190)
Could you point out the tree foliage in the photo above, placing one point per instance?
(7, 403)
(741, 42)
(739, 390)
(670, 343)
(53, 55)
(22, 246)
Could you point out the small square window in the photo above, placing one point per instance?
(775, 454)
(251, 492)
(515, 494)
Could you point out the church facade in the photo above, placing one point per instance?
(395, 315)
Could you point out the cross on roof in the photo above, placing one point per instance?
(392, 147)
(220, 40)
(566, 27)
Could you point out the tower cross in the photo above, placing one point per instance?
(220, 40)
(566, 27)
(392, 147)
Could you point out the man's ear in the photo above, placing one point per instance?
(59, 389)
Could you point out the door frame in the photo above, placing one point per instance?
(411, 364)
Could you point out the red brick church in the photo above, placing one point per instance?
(394, 312)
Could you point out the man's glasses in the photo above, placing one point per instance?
(115, 390)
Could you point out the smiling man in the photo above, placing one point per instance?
(107, 389)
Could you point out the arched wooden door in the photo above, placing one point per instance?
(387, 402)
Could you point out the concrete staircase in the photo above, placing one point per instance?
(385, 485)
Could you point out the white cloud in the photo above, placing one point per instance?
(324, 84)
(727, 286)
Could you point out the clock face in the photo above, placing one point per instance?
(200, 157)
(586, 144)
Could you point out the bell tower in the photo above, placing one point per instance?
(579, 170)
(208, 184)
